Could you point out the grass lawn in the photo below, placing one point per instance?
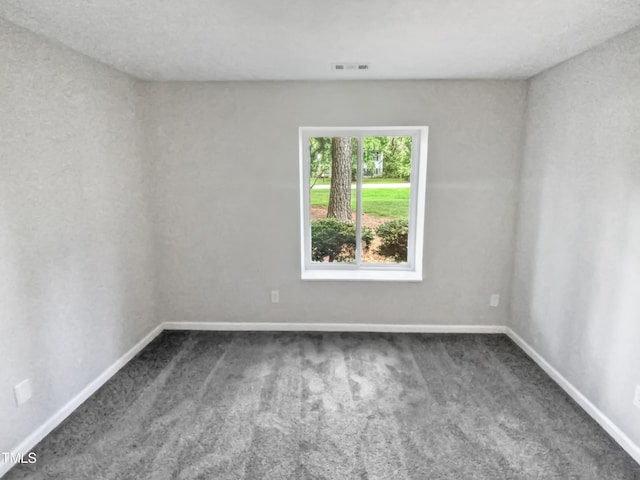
(384, 180)
(379, 202)
(368, 180)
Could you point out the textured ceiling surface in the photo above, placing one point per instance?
(300, 39)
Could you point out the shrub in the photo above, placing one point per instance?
(336, 240)
(394, 236)
(367, 237)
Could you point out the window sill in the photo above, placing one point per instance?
(363, 274)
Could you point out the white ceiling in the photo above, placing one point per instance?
(299, 39)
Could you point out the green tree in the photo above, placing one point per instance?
(340, 193)
(320, 159)
(396, 155)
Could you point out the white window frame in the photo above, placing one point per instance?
(411, 271)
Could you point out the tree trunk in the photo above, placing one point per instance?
(340, 194)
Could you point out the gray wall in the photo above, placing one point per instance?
(226, 172)
(75, 269)
(577, 275)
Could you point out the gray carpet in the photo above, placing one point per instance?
(204, 405)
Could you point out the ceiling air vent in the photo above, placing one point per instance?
(343, 67)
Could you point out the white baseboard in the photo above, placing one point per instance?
(611, 428)
(57, 418)
(332, 327)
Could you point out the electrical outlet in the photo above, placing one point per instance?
(22, 392)
(494, 301)
(636, 397)
(275, 296)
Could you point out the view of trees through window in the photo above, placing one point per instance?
(384, 221)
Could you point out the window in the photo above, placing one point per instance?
(362, 202)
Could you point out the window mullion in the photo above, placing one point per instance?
(359, 202)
